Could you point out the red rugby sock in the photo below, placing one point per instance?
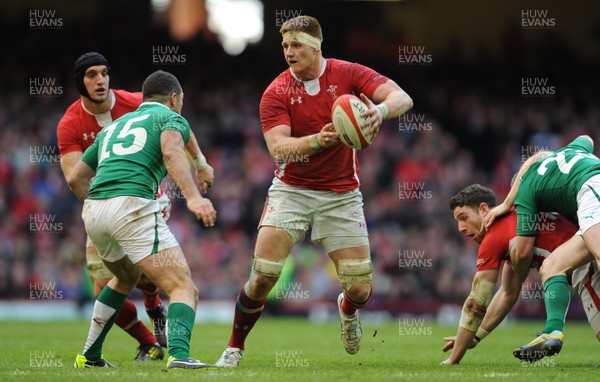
(247, 312)
(129, 321)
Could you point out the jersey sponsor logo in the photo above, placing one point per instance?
(295, 100)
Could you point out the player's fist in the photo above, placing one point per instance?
(205, 178)
(203, 209)
(328, 136)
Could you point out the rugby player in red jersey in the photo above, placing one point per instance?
(481, 313)
(316, 182)
(98, 106)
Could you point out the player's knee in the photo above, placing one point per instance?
(145, 280)
(98, 285)
(356, 277)
(193, 291)
(260, 286)
(264, 276)
(548, 268)
(266, 271)
(360, 292)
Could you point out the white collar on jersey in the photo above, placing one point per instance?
(105, 118)
(312, 86)
(154, 103)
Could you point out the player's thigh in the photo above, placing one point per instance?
(588, 214)
(273, 243)
(352, 253)
(145, 280)
(94, 265)
(168, 269)
(586, 286)
(125, 271)
(592, 240)
(285, 220)
(565, 258)
(340, 226)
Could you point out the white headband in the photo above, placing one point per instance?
(303, 38)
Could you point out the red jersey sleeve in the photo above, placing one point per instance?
(366, 80)
(494, 247)
(66, 133)
(273, 110)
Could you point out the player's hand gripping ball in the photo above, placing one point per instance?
(345, 115)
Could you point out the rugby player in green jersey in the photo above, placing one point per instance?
(566, 181)
(127, 162)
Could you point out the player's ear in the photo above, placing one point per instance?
(484, 209)
(172, 100)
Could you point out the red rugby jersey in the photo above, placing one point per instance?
(287, 102)
(554, 230)
(77, 129)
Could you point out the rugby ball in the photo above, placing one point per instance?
(345, 115)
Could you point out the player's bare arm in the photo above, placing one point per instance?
(474, 309)
(504, 299)
(178, 168)
(505, 206)
(522, 253)
(79, 179)
(68, 162)
(389, 101)
(285, 148)
(205, 174)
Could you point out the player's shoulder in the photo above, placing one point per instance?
(72, 115)
(504, 225)
(129, 98)
(283, 80)
(337, 63)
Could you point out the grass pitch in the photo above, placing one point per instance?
(297, 350)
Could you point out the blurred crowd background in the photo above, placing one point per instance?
(472, 122)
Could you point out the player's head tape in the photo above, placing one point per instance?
(302, 37)
(82, 64)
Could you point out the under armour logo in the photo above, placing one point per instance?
(293, 101)
(86, 136)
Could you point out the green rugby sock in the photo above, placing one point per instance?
(180, 324)
(106, 309)
(557, 297)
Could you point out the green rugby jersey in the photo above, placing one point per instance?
(552, 184)
(127, 155)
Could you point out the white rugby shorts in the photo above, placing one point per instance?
(586, 285)
(588, 204)
(126, 226)
(337, 219)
